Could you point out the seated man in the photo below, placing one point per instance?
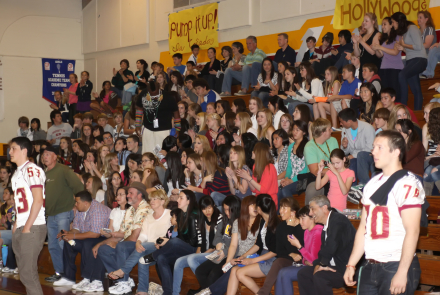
(117, 248)
(108, 141)
(133, 145)
(357, 136)
(337, 239)
(342, 100)
(310, 53)
(285, 53)
(370, 74)
(246, 74)
(204, 93)
(177, 59)
(91, 217)
(318, 149)
(103, 122)
(388, 97)
(190, 95)
(323, 56)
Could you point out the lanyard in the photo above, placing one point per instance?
(328, 156)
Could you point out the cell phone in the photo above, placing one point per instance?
(325, 163)
(159, 241)
(107, 230)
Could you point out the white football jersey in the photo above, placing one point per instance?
(384, 228)
(25, 178)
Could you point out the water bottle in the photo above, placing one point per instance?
(4, 254)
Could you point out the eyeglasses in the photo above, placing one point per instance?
(145, 161)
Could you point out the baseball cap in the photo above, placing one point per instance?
(140, 187)
(49, 148)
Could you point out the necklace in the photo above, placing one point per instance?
(328, 156)
(153, 103)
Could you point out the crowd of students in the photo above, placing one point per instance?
(183, 174)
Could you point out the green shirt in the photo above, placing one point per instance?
(61, 186)
(257, 56)
(314, 153)
(117, 80)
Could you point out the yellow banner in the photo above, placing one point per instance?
(349, 14)
(198, 25)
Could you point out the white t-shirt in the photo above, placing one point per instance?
(384, 228)
(117, 215)
(56, 132)
(100, 196)
(25, 178)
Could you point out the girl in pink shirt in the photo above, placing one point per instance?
(340, 179)
(73, 98)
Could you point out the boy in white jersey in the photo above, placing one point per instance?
(390, 224)
(29, 231)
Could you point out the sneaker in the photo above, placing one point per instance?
(147, 259)
(123, 288)
(336, 129)
(205, 292)
(7, 270)
(64, 282)
(224, 94)
(16, 270)
(95, 286)
(239, 93)
(81, 285)
(132, 284)
(53, 278)
(423, 77)
(110, 289)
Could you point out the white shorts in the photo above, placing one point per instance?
(338, 106)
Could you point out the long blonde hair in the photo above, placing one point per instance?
(202, 118)
(393, 115)
(214, 116)
(372, 16)
(334, 73)
(245, 122)
(205, 142)
(107, 166)
(262, 131)
(100, 163)
(241, 159)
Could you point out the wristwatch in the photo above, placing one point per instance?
(322, 264)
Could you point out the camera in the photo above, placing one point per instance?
(325, 163)
(159, 241)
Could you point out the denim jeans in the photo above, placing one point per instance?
(375, 279)
(230, 74)
(218, 198)
(221, 285)
(192, 261)
(55, 224)
(113, 259)
(353, 166)
(365, 164)
(264, 96)
(144, 269)
(6, 236)
(291, 107)
(287, 191)
(432, 177)
(433, 59)
(133, 259)
(410, 76)
(285, 278)
(126, 97)
(165, 258)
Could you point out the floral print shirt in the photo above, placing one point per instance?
(134, 218)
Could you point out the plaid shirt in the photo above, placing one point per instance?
(93, 220)
(134, 218)
(282, 159)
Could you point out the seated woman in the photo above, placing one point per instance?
(176, 79)
(308, 250)
(371, 103)
(280, 144)
(174, 177)
(216, 184)
(154, 226)
(237, 242)
(255, 105)
(150, 178)
(265, 126)
(310, 87)
(193, 110)
(296, 164)
(228, 121)
(238, 106)
(110, 199)
(201, 128)
(188, 239)
(401, 111)
(276, 106)
(265, 246)
(332, 86)
(302, 113)
(244, 124)
(237, 161)
(194, 176)
(149, 160)
(267, 81)
(106, 101)
(209, 71)
(415, 152)
(6, 216)
(264, 175)
(286, 123)
(287, 254)
(94, 187)
(210, 224)
(213, 121)
(221, 107)
(201, 144)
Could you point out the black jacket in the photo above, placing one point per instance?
(84, 92)
(270, 240)
(192, 234)
(339, 242)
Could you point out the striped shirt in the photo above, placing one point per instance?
(257, 56)
(219, 184)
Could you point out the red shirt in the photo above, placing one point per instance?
(269, 183)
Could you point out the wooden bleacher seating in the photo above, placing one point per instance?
(434, 207)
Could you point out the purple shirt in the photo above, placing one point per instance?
(391, 61)
(96, 218)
